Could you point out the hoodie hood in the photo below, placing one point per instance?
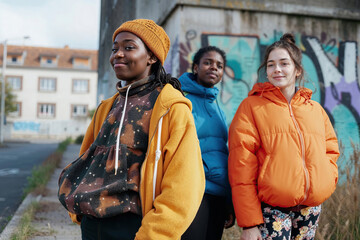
(189, 85)
(273, 93)
(171, 96)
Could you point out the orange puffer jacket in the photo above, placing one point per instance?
(281, 154)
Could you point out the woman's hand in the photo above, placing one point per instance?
(230, 221)
(251, 234)
(230, 216)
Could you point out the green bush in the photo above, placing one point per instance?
(63, 145)
(79, 139)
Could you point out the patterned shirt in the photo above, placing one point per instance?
(97, 191)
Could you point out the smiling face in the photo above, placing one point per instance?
(130, 59)
(281, 70)
(210, 69)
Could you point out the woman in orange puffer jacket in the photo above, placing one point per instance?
(283, 152)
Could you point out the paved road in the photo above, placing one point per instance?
(16, 162)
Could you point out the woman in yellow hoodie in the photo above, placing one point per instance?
(140, 173)
(283, 152)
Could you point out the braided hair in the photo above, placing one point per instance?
(163, 78)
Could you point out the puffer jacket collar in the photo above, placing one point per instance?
(273, 93)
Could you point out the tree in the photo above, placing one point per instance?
(91, 113)
(10, 99)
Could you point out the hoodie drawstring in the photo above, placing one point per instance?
(157, 155)
(119, 131)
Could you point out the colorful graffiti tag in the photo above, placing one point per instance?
(331, 69)
(26, 126)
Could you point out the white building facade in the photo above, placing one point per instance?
(55, 90)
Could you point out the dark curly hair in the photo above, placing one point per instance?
(200, 53)
(287, 42)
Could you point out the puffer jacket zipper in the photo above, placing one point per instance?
(302, 143)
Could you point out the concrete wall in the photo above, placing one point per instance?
(347, 9)
(330, 57)
(159, 10)
(328, 32)
(113, 13)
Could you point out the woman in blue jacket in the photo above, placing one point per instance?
(215, 211)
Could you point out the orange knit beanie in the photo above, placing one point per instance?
(154, 36)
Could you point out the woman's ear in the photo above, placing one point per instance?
(298, 73)
(196, 67)
(152, 59)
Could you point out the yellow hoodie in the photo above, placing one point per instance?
(180, 181)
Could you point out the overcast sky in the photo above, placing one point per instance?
(51, 23)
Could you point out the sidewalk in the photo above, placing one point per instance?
(51, 220)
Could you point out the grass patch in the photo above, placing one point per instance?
(42, 173)
(37, 185)
(25, 230)
(340, 217)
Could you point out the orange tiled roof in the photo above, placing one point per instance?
(65, 55)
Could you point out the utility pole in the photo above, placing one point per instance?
(2, 118)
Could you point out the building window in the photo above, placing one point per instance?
(47, 84)
(15, 58)
(80, 86)
(15, 82)
(81, 62)
(46, 110)
(17, 112)
(48, 60)
(79, 111)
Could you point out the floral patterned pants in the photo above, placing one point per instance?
(293, 225)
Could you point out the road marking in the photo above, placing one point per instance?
(3, 157)
(8, 171)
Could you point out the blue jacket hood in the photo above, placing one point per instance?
(189, 85)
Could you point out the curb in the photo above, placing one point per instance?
(15, 220)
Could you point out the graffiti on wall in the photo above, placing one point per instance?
(26, 126)
(331, 67)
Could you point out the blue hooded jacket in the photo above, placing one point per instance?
(212, 133)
